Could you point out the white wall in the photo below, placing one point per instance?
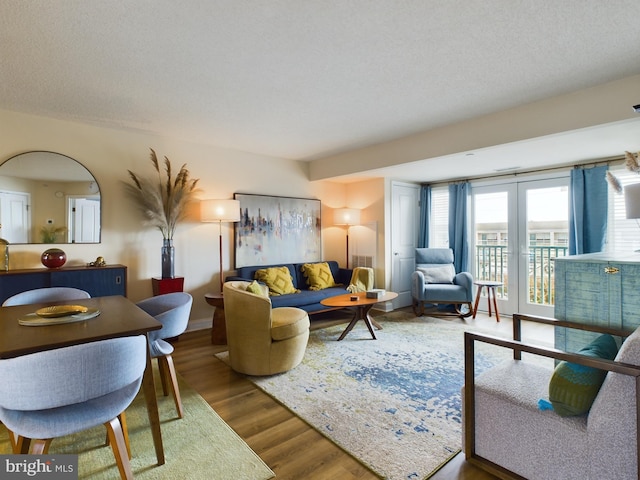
(109, 153)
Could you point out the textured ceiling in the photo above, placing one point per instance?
(304, 79)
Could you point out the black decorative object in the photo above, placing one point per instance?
(168, 258)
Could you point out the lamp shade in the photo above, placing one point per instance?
(214, 210)
(346, 216)
(632, 200)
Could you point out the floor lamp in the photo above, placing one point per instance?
(348, 217)
(220, 211)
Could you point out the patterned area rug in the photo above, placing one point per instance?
(393, 403)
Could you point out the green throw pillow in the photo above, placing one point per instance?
(255, 288)
(573, 387)
(278, 279)
(318, 275)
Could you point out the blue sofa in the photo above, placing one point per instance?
(308, 300)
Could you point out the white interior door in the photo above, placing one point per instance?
(84, 220)
(15, 221)
(404, 239)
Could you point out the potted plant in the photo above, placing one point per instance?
(163, 200)
(50, 233)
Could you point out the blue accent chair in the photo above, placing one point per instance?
(172, 310)
(71, 389)
(48, 294)
(435, 282)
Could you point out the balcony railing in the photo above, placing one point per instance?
(492, 261)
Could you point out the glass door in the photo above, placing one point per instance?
(544, 234)
(495, 234)
(519, 228)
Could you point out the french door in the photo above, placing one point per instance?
(519, 227)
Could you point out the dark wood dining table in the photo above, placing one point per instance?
(119, 317)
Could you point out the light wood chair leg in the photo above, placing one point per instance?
(125, 432)
(163, 369)
(116, 439)
(40, 447)
(19, 444)
(173, 378)
(13, 441)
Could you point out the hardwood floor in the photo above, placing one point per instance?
(290, 447)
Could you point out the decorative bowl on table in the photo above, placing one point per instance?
(53, 258)
(60, 311)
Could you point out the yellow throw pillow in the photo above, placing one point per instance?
(318, 275)
(278, 279)
(255, 288)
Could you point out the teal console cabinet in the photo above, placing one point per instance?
(98, 281)
(596, 289)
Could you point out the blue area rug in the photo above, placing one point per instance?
(393, 403)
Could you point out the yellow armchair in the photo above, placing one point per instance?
(262, 340)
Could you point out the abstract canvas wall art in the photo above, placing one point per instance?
(275, 230)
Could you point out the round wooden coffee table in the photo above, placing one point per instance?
(362, 305)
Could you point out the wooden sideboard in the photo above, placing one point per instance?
(98, 281)
(596, 289)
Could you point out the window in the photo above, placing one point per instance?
(439, 217)
(623, 234)
(539, 239)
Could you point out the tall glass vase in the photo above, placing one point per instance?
(168, 257)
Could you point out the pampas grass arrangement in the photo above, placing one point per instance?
(162, 201)
(632, 162)
(614, 182)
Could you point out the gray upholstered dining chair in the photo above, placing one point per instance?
(47, 294)
(71, 389)
(172, 310)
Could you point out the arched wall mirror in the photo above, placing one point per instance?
(47, 197)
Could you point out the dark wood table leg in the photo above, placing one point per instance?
(218, 324)
(370, 319)
(362, 313)
(367, 321)
(149, 389)
(352, 323)
(475, 306)
(375, 324)
(219, 327)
